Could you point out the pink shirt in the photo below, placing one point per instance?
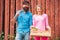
(40, 21)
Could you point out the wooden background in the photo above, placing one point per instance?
(8, 9)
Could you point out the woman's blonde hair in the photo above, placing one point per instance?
(39, 5)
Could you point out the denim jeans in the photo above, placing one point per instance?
(22, 36)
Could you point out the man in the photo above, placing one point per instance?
(24, 21)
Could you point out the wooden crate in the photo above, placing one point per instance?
(40, 33)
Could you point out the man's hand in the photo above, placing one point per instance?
(13, 21)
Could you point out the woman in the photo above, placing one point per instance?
(40, 21)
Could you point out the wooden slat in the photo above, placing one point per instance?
(6, 19)
(56, 18)
(39, 2)
(43, 6)
(18, 5)
(59, 17)
(12, 12)
(48, 7)
(0, 17)
(52, 19)
(33, 6)
(21, 3)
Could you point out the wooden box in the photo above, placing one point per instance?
(40, 33)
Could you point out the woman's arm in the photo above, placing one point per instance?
(46, 23)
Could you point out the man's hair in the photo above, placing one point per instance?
(25, 2)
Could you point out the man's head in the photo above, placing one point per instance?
(26, 5)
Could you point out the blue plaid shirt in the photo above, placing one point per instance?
(24, 21)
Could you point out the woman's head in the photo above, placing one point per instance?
(39, 8)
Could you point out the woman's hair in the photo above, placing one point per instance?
(39, 6)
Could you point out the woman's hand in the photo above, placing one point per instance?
(48, 29)
(33, 29)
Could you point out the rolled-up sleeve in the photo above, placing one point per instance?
(46, 21)
(16, 15)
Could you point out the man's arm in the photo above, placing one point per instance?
(13, 20)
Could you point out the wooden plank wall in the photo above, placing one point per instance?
(8, 9)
